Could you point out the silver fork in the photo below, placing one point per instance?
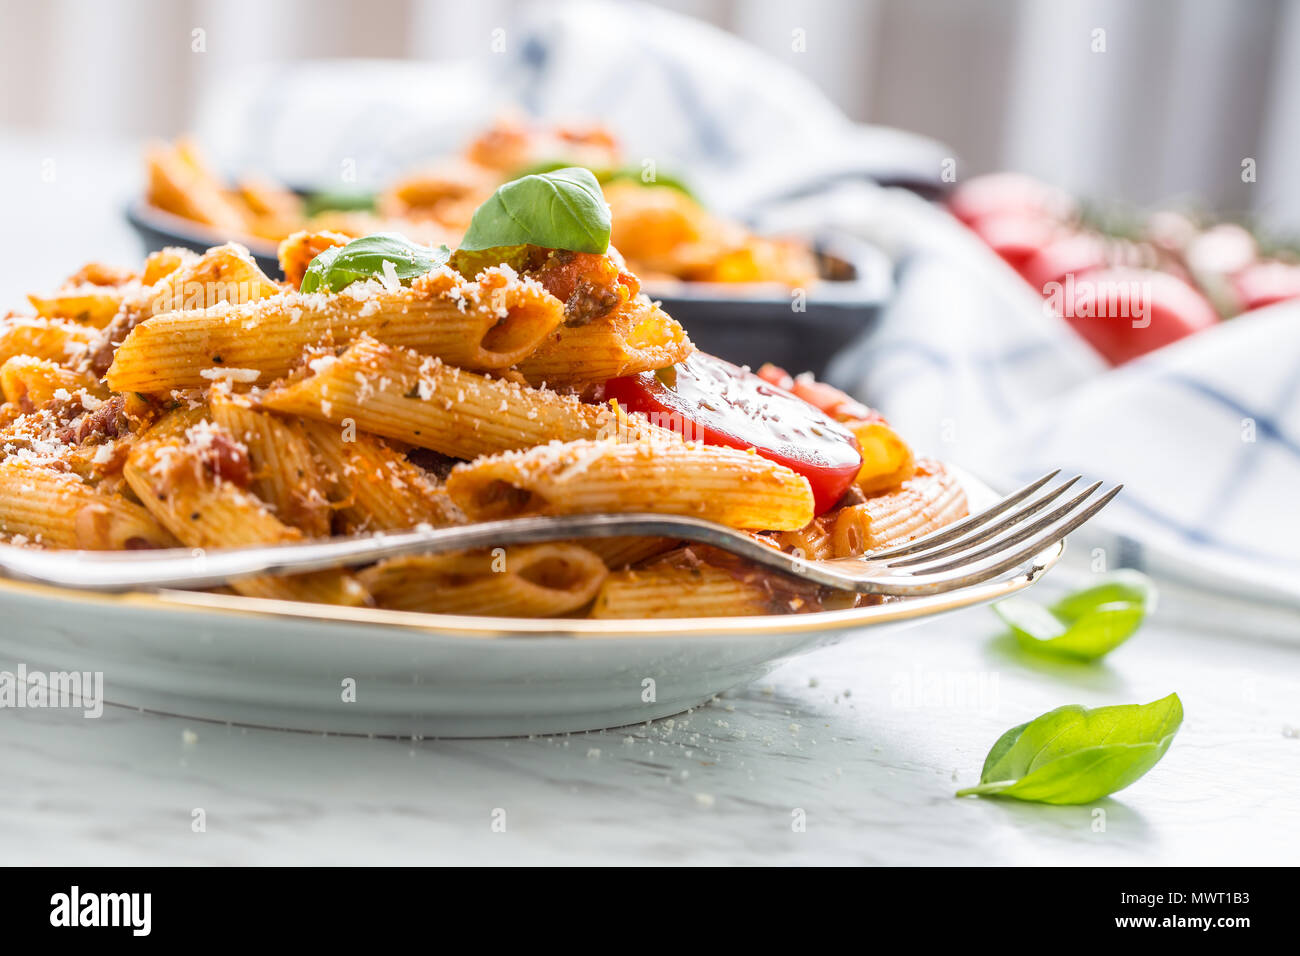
(978, 548)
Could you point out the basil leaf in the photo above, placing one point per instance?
(633, 174)
(470, 263)
(1075, 755)
(622, 174)
(338, 201)
(1086, 625)
(561, 209)
(339, 266)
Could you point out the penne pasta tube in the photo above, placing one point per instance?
(376, 488)
(622, 552)
(490, 323)
(179, 183)
(681, 585)
(284, 472)
(422, 401)
(924, 503)
(57, 340)
(223, 274)
(56, 509)
(31, 382)
(543, 580)
(298, 250)
(731, 487)
(638, 337)
(813, 542)
(88, 305)
(193, 481)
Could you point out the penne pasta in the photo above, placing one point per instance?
(374, 487)
(284, 472)
(298, 250)
(622, 552)
(31, 382)
(56, 509)
(422, 401)
(58, 340)
(490, 323)
(638, 337)
(923, 503)
(683, 585)
(730, 487)
(542, 580)
(191, 477)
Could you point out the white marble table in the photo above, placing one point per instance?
(868, 739)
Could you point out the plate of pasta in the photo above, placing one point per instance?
(733, 287)
(386, 384)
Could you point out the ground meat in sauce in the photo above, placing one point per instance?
(589, 285)
(100, 355)
(106, 422)
(436, 463)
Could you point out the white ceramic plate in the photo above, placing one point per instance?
(284, 664)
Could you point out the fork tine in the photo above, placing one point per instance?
(1015, 533)
(936, 581)
(966, 524)
(989, 530)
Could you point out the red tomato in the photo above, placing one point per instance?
(1124, 313)
(1264, 283)
(1016, 238)
(1010, 193)
(837, 404)
(1071, 254)
(709, 400)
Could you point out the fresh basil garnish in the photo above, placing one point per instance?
(633, 174)
(621, 174)
(560, 209)
(338, 267)
(1086, 625)
(1076, 755)
(338, 201)
(470, 263)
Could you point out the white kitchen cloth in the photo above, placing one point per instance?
(1205, 435)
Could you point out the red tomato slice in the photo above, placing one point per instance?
(709, 400)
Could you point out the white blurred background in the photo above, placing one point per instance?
(1181, 94)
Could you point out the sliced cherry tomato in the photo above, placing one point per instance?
(1124, 313)
(709, 400)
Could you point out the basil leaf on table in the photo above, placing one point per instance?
(1085, 625)
(338, 267)
(1075, 755)
(560, 209)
